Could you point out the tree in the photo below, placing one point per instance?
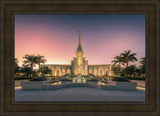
(127, 57)
(30, 61)
(143, 61)
(115, 70)
(15, 62)
(138, 72)
(143, 65)
(40, 59)
(45, 70)
(119, 60)
(130, 70)
(26, 70)
(16, 67)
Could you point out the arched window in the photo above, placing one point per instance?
(52, 71)
(95, 71)
(68, 71)
(63, 71)
(101, 72)
(57, 73)
(90, 70)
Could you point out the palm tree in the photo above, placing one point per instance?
(143, 65)
(129, 71)
(30, 61)
(26, 70)
(15, 62)
(115, 70)
(143, 61)
(132, 70)
(16, 67)
(138, 72)
(127, 57)
(119, 60)
(45, 70)
(40, 59)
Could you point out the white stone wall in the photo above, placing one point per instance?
(97, 70)
(100, 70)
(59, 70)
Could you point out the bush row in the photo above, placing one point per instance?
(22, 78)
(65, 79)
(38, 79)
(136, 78)
(92, 79)
(120, 79)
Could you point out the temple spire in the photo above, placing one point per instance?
(79, 48)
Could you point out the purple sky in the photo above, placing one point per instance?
(56, 36)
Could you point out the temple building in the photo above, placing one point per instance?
(79, 64)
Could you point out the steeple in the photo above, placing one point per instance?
(79, 48)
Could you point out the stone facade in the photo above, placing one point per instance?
(59, 69)
(100, 70)
(79, 64)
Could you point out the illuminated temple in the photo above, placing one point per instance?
(79, 65)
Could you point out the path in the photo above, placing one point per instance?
(79, 94)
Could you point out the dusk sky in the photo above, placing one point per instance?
(56, 36)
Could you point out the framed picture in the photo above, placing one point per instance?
(79, 58)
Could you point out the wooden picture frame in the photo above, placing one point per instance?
(149, 8)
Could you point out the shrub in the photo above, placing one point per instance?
(92, 79)
(120, 79)
(136, 78)
(91, 74)
(65, 79)
(38, 79)
(22, 78)
(104, 81)
(67, 74)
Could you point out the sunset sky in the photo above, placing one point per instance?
(56, 36)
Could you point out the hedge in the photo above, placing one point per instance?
(120, 79)
(22, 78)
(38, 79)
(136, 78)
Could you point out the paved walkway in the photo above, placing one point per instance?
(79, 94)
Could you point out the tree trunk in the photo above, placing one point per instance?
(127, 63)
(119, 68)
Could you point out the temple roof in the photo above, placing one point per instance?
(79, 48)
